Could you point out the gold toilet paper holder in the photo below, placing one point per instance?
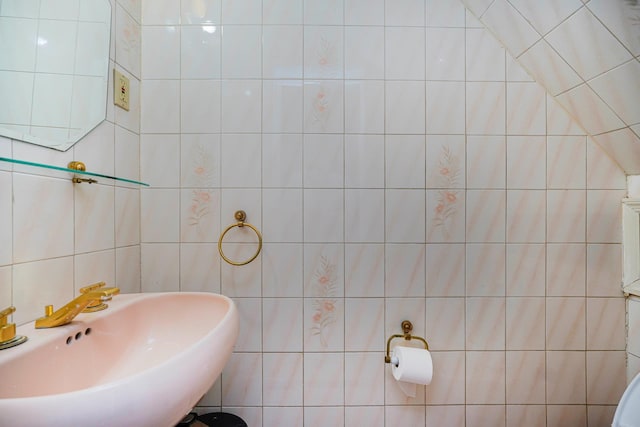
(407, 327)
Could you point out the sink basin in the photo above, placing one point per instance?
(145, 361)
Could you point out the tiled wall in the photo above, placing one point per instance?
(584, 52)
(400, 165)
(56, 236)
(633, 342)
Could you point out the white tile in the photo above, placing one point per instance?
(405, 12)
(549, 68)
(622, 146)
(446, 157)
(241, 105)
(249, 335)
(405, 161)
(199, 267)
(282, 215)
(200, 106)
(323, 52)
(511, 28)
(566, 162)
(525, 216)
(566, 215)
(323, 163)
(48, 88)
(159, 266)
(486, 215)
(559, 122)
(284, 315)
(364, 56)
(323, 106)
(546, 14)
(199, 217)
(445, 13)
(585, 104)
(598, 50)
(199, 160)
(526, 113)
(93, 267)
(241, 51)
(485, 56)
(404, 270)
(445, 215)
(282, 106)
(242, 380)
(282, 382)
(41, 283)
(6, 227)
(162, 12)
(405, 107)
(366, 315)
(364, 379)
(200, 52)
(282, 12)
(160, 48)
(397, 228)
(282, 269)
(620, 89)
(364, 106)
(160, 160)
(282, 160)
(282, 51)
(162, 101)
(364, 12)
(128, 37)
(364, 270)
(205, 12)
(617, 17)
(445, 107)
(37, 236)
(364, 215)
(330, 12)
(127, 217)
(94, 220)
(364, 161)
(485, 269)
(445, 53)
(485, 108)
(486, 160)
(602, 171)
(160, 213)
(404, 53)
(321, 225)
(241, 12)
(240, 161)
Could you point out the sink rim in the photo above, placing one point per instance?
(42, 337)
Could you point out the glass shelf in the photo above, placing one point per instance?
(73, 171)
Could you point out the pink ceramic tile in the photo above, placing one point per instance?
(485, 377)
(566, 324)
(525, 377)
(485, 328)
(526, 269)
(525, 323)
(566, 269)
(606, 377)
(566, 378)
(606, 324)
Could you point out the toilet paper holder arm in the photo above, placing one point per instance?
(407, 327)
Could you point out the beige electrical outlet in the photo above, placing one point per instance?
(120, 90)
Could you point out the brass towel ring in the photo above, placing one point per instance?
(240, 216)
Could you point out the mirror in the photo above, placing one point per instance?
(54, 62)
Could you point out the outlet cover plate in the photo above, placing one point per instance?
(120, 90)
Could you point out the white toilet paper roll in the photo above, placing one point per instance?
(414, 365)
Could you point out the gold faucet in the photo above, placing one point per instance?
(8, 337)
(65, 314)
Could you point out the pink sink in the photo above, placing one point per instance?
(145, 361)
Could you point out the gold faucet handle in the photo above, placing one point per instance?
(93, 287)
(7, 330)
(4, 314)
